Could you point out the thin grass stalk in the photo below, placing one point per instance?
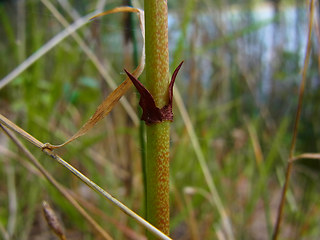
(8, 124)
(296, 124)
(3, 232)
(158, 135)
(69, 9)
(142, 127)
(315, 156)
(101, 67)
(317, 30)
(21, 29)
(13, 200)
(57, 185)
(126, 229)
(215, 197)
(46, 48)
(192, 222)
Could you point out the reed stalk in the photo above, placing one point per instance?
(158, 135)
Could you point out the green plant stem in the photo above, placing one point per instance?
(158, 135)
(158, 175)
(142, 128)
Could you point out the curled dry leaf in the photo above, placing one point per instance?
(106, 106)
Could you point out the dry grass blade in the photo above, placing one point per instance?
(6, 122)
(317, 30)
(296, 123)
(101, 67)
(255, 144)
(204, 167)
(121, 9)
(103, 109)
(306, 156)
(13, 200)
(106, 106)
(194, 226)
(85, 179)
(57, 185)
(45, 48)
(127, 231)
(4, 233)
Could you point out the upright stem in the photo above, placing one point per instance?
(158, 135)
(296, 124)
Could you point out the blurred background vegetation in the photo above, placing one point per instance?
(239, 83)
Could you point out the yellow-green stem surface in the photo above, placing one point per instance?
(157, 54)
(158, 135)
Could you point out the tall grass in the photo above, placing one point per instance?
(240, 93)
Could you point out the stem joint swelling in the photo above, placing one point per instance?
(151, 113)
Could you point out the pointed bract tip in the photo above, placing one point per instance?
(151, 113)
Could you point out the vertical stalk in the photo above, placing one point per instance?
(296, 124)
(142, 128)
(158, 135)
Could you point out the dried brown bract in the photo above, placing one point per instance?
(151, 113)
